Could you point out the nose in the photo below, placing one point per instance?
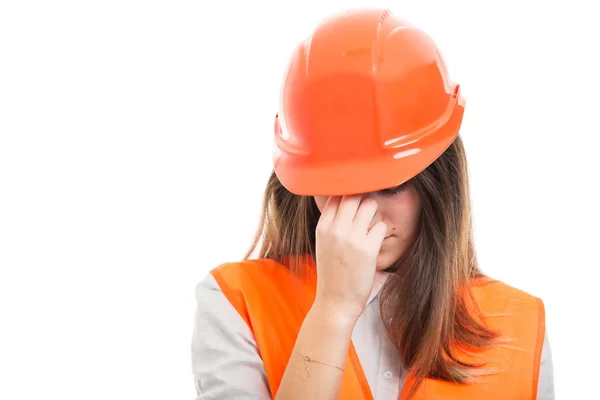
(375, 220)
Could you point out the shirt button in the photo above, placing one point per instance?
(387, 374)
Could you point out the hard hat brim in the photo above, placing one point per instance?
(365, 175)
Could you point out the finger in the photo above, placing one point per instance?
(364, 216)
(347, 211)
(329, 211)
(377, 234)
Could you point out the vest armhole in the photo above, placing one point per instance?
(541, 332)
(235, 297)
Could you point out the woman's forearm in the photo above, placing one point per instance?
(324, 337)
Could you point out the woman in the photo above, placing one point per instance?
(367, 285)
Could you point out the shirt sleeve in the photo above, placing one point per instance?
(225, 360)
(546, 378)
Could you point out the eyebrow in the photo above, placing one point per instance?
(394, 187)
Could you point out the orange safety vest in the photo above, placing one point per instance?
(274, 303)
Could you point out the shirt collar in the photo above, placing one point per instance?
(380, 279)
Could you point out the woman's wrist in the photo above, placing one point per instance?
(335, 317)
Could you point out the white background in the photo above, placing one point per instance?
(135, 142)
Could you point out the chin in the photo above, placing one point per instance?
(384, 261)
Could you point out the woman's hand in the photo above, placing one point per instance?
(346, 254)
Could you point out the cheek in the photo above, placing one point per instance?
(403, 214)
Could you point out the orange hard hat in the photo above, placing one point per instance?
(366, 104)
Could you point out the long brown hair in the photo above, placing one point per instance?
(426, 304)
